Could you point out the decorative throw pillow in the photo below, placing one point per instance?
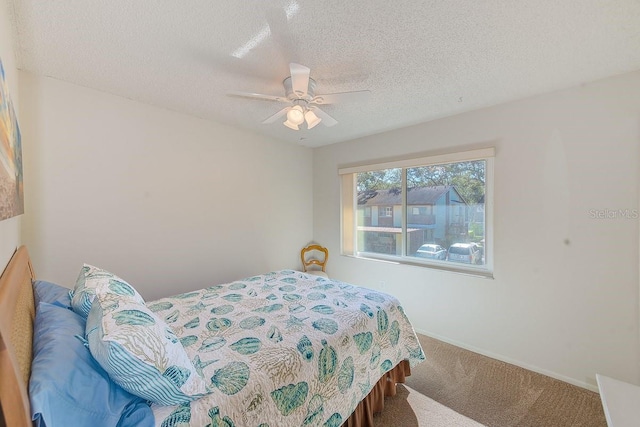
(89, 279)
(67, 387)
(140, 351)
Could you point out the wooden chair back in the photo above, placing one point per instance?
(320, 260)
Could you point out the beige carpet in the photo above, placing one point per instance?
(454, 387)
(408, 408)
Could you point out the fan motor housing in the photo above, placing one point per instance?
(291, 95)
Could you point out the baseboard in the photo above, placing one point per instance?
(511, 361)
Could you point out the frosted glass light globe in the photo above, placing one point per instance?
(295, 115)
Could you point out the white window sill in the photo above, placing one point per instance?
(450, 267)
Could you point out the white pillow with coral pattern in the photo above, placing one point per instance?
(139, 351)
(89, 279)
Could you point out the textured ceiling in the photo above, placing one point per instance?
(421, 60)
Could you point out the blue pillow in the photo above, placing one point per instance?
(67, 387)
(51, 293)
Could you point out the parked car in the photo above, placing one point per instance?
(468, 253)
(432, 251)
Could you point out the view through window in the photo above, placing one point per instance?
(433, 214)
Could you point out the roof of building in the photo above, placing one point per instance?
(415, 196)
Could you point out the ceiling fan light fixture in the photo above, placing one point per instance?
(291, 125)
(311, 119)
(296, 115)
(303, 102)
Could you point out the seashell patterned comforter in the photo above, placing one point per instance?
(285, 349)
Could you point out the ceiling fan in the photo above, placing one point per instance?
(303, 101)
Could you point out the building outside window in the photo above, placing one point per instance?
(421, 204)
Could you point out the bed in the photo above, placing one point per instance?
(278, 349)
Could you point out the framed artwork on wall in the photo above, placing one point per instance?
(11, 190)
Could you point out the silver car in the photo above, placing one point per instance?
(468, 253)
(432, 251)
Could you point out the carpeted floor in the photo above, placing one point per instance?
(408, 408)
(456, 387)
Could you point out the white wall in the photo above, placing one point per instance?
(167, 201)
(9, 228)
(564, 300)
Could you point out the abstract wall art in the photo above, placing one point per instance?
(11, 191)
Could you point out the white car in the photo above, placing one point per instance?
(432, 251)
(468, 253)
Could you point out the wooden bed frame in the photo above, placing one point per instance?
(17, 313)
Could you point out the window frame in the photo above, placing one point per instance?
(348, 210)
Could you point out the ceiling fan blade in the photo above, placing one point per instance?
(334, 98)
(327, 120)
(281, 37)
(259, 96)
(299, 79)
(276, 116)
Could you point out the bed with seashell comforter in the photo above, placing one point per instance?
(280, 349)
(285, 349)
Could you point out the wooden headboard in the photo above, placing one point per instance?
(17, 313)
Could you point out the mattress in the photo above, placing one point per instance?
(285, 349)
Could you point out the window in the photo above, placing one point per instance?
(431, 211)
